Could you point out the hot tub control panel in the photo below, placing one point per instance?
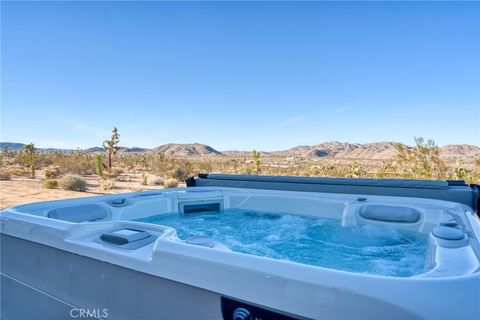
(236, 310)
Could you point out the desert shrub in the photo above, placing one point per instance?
(73, 182)
(384, 170)
(19, 171)
(462, 171)
(50, 183)
(143, 179)
(315, 171)
(43, 159)
(459, 170)
(158, 163)
(157, 181)
(171, 183)
(422, 161)
(179, 173)
(127, 161)
(29, 154)
(123, 178)
(106, 186)
(142, 161)
(5, 175)
(206, 166)
(115, 172)
(355, 170)
(322, 170)
(77, 162)
(52, 172)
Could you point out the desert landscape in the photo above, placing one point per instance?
(30, 174)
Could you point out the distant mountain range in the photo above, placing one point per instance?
(341, 150)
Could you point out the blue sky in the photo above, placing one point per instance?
(239, 75)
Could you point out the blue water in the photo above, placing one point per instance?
(373, 249)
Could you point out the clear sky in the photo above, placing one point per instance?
(241, 75)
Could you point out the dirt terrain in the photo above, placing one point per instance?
(23, 190)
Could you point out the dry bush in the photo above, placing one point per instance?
(421, 162)
(29, 154)
(5, 175)
(123, 178)
(76, 162)
(115, 172)
(355, 170)
(50, 183)
(179, 173)
(52, 172)
(384, 170)
(106, 186)
(206, 166)
(461, 171)
(157, 181)
(157, 163)
(19, 171)
(143, 179)
(171, 183)
(73, 182)
(127, 161)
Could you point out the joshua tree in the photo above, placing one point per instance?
(29, 151)
(111, 147)
(256, 161)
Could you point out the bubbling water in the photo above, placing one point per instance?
(373, 249)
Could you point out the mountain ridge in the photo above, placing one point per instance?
(383, 150)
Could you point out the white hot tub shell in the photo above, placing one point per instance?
(65, 255)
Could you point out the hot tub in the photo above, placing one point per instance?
(229, 247)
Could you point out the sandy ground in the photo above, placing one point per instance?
(23, 190)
